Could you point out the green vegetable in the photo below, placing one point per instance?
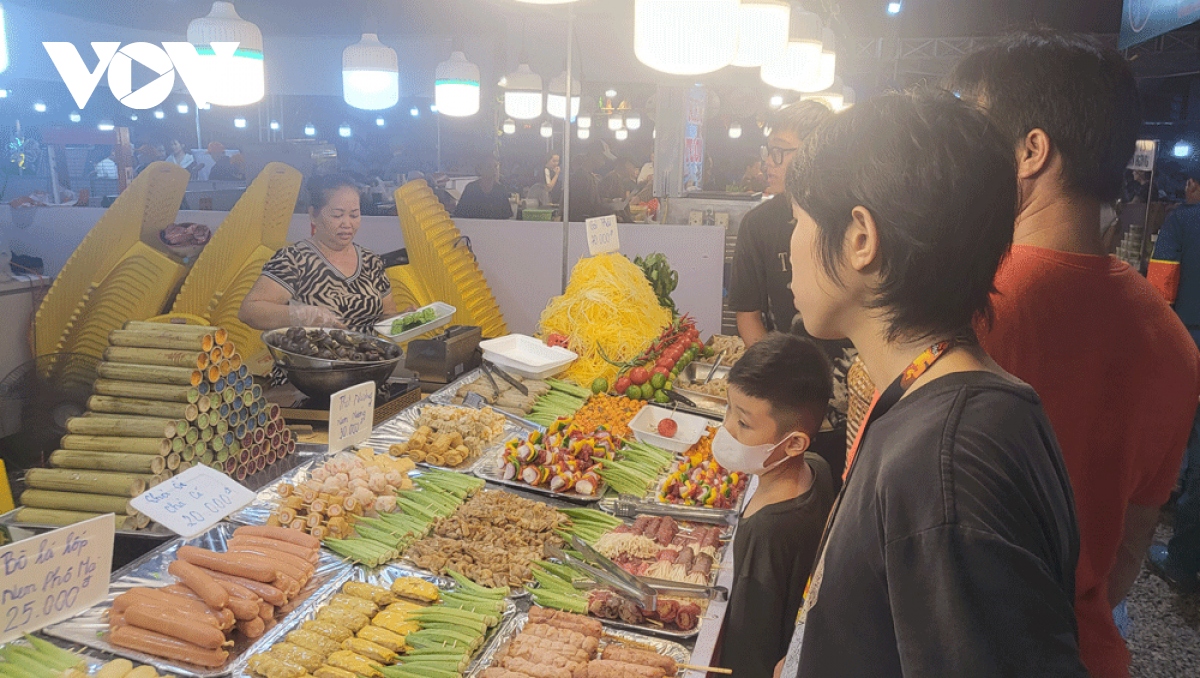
(661, 397)
(600, 385)
(662, 279)
(413, 320)
(658, 381)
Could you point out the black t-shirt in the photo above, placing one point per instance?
(475, 204)
(953, 551)
(762, 268)
(773, 553)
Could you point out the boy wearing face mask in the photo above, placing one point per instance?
(778, 393)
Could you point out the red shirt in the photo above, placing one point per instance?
(1119, 378)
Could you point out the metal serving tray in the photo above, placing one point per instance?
(507, 632)
(401, 428)
(380, 576)
(490, 467)
(90, 628)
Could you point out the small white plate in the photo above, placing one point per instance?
(691, 428)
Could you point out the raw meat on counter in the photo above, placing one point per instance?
(654, 546)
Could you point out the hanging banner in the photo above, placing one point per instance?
(1143, 155)
(693, 138)
(1142, 20)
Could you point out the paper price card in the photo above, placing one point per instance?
(54, 576)
(192, 501)
(602, 235)
(351, 415)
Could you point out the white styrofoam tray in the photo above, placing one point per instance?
(645, 428)
(443, 314)
(527, 356)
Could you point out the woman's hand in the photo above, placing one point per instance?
(305, 315)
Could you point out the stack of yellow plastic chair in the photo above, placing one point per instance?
(121, 271)
(442, 264)
(231, 262)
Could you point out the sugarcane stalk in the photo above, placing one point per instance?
(131, 445)
(142, 407)
(42, 516)
(107, 461)
(133, 427)
(80, 480)
(154, 374)
(134, 389)
(76, 501)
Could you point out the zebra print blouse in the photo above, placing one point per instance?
(312, 279)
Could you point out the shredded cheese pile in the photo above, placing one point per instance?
(608, 305)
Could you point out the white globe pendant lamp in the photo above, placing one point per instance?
(370, 74)
(522, 94)
(615, 122)
(800, 61)
(685, 37)
(235, 74)
(834, 97)
(456, 86)
(547, 130)
(583, 133)
(556, 97)
(633, 121)
(584, 121)
(762, 31)
(828, 65)
(621, 134)
(735, 130)
(509, 127)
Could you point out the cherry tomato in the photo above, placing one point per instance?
(622, 385)
(639, 375)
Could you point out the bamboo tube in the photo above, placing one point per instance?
(212, 374)
(154, 374)
(207, 458)
(134, 389)
(173, 461)
(149, 339)
(202, 421)
(107, 461)
(122, 427)
(214, 356)
(188, 454)
(156, 356)
(197, 377)
(192, 436)
(76, 501)
(177, 444)
(257, 391)
(78, 480)
(140, 521)
(225, 366)
(222, 426)
(235, 361)
(141, 407)
(41, 516)
(160, 478)
(151, 446)
(174, 328)
(203, 388)
(206, 434)
(204, 403)
(185, 466)
(228, 349)
(217, 443)
(228, 395)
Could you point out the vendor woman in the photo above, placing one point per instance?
(325, 280)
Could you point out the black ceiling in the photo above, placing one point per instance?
(862, 18)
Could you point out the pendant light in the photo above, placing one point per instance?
(509, 127)
(735, 130)
(235, 74)
(633, 121)
(621, 134)
(583, 133)
(456, 86)
(584, 121)
(370, 74)
(762, 31)
(615, 122)
(547, 130)
(522, 93)
(800, 62)
(833, 97)
(828, 65)
(556, 98)
(685, 37)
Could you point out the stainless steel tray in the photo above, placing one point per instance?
(380, 576)
(507, 632)
(267, 499)
(401, 427)
(490, 467)
(90, 628)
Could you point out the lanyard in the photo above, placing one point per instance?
(880, 406)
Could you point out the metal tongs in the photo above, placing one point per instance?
(607, 573)
(630, 506)
(490, 368)
(715, 367)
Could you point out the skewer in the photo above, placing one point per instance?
(707, 669)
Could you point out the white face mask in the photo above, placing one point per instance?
(735, 456)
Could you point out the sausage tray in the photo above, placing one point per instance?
(508, 631)
(90, 628)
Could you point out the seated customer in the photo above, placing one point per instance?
(485, 198)
(777, 398)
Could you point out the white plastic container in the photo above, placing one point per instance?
(691, 428)
(526, 356)
(443, 314)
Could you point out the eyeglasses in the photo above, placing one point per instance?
(775, 154)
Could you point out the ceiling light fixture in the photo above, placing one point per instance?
(236, 72)
(370, 74)
(456, 86)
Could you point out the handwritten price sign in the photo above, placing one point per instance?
(193, 501)
(351, 415)
(602, 235)
(53, 576)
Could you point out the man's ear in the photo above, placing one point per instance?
(1033, 153)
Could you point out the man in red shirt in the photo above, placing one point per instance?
(1118, 374)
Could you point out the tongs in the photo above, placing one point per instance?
(716, 365)
(657, 585)
(607, 573)
(630, 506)
(491, 368)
